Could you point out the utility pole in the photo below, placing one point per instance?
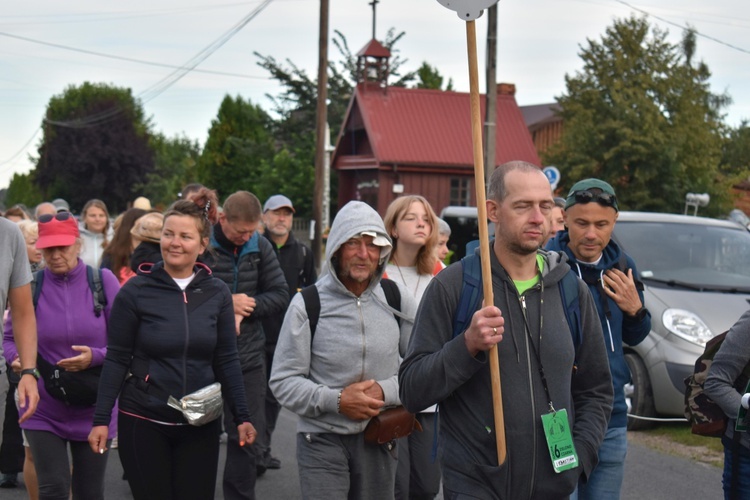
(320, 131)
(490, 111)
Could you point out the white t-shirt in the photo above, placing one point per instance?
(184, 282)
(407, 276)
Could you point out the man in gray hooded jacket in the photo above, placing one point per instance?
(541, 367)
(338, 380)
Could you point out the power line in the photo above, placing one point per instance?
(85, 17)
(713, 39)
(165, 83)
(128, 59)
(4, 162)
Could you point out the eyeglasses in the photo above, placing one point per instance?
(61, 216)
(606, 199)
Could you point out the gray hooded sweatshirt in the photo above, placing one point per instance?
(439, 369)
(356, 339)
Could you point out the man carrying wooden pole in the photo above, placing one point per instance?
(549, 365)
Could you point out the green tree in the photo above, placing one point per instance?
(736, 154)
(430, 78)
(95, 145)
(22, 189)
(640, 115)
(239, 147)
(175, 163)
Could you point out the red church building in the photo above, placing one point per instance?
(416, 141)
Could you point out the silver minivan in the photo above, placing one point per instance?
(696, 274)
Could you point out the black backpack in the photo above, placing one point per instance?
(704, 415)
(312, 302)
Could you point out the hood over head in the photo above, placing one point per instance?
(358, 219)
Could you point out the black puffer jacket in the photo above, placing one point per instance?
(254, 270)
(296, 261)
(182, 340)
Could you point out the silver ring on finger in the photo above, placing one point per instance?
(494, 330)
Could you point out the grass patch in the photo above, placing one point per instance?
(680, 433)
(677, 439)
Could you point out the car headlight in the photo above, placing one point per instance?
(687, 325)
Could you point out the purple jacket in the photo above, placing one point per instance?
(64, 318)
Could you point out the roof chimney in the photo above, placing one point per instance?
(506, 89)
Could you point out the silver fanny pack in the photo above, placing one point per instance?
(200, 407)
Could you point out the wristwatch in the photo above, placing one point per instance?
(640, 314)
(31, 371)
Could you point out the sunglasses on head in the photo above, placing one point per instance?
(606, 199)
(61, 216)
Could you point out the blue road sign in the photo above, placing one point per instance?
(553, 174)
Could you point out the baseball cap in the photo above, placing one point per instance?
(59, 230)
(61, 205)
(278, 201)
(377, 239)
(581, 192)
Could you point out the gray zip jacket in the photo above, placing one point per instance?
(438, 368)
(727, 366)
(356, 339)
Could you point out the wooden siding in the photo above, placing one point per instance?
(547, 135)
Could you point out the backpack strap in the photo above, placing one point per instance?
(312, 306)
(36, 286)
(471, 293)
(94, 277)
(569, 292)
(392, 296)
(471, 297)
(312, 302)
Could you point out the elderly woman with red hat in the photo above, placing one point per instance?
(72, 336)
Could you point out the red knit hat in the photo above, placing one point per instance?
(60, 230)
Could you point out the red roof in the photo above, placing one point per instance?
(433, 127)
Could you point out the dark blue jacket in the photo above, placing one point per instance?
(255, 271)
(617, 327)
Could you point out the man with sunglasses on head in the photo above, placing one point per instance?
(590, 214)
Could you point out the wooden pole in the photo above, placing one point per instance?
(484, 241)
(320, 130)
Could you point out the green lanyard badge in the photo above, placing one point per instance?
(560, 440)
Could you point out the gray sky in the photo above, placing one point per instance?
(539, 42)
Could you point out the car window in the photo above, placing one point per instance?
(687, 253)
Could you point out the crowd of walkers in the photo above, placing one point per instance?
(151, 326)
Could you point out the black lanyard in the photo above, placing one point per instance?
(531, 340)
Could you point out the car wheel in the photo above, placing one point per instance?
(638, 394)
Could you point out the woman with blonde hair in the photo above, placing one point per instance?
(413, 226)
(95, 231)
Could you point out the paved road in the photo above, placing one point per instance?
(649, 474)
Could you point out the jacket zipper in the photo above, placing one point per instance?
(533, 405)
(235, 271)
(364, 345)
(187, 339)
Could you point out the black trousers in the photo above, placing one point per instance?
(11, 450)
(169, 462)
